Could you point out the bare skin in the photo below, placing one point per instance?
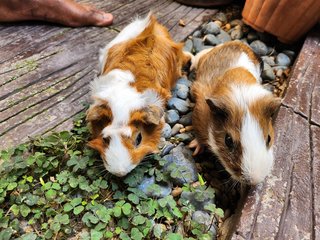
(65, 12)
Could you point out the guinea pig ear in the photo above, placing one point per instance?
(218, 109)
(98, 112)
(272, 106)
(96, 144)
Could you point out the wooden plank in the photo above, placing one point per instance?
(315, 147)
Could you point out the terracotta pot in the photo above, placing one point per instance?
(287, 19)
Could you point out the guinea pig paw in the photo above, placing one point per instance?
(198, 148)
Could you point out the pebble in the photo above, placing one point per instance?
(184, 137)
(197, 44)
(276, 68)
(289, 53)
(166, 149)
(176, 128)
(176, 191)
(259, 47)
(197, 33)
(283, 60)
(211, 39)
(219, 23)
(211, 28)
(268, 60)
(236, 34)
(184, 81)
(171, 116)
(186, 120)
(267, 73)
(205, 47)
(182, 157)
(181, 91)
(223, 36)
(236, 22)
(178, 104)
(279, 73)
(220, 16)
(252, 36)
(166, 131)
(146, 187)
(188, 46)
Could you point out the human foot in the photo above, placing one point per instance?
(65, 12)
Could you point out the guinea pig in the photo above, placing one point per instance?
(138, 69)
(233, 112)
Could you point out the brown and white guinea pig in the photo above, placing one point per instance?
(233, 112)
(138, 69)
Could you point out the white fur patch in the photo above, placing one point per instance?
(243, 94)
(245, 62)
(122, 98)
(119, 159)
(129, 32)
(257, 159)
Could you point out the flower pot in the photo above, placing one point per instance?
(287, 19)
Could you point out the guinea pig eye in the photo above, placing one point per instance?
(106, 140)
(229, 142)
(138, 140)
(268, 140)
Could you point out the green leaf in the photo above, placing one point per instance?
(136, 234)
(96, 235)
(124, 236)
(173, 236)
(177, 212)
(56, 186)
(24, 210)
(201, 181)
(29, 236)
(118, 230)
(6, 234)
(12, 186)
(162, 202)
(51, 194)
(133, 198)
(138, 220)
(210, 207)
(126, 209)
(117, 211)
(76, 201)
(108, 235)
(67, 207)
(104, 214)
(63, 219)
(157, 230)
(15, 209)
(77, 210)
(219, 212)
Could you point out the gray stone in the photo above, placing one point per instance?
(181, 91)
(178, 104)
(211, 28)
(252, 36)
(166, 131)
(276, 68)
(203, 217)
(184, 137)
(259, 47)
(198, 205)
(188, 46)
(197, 44)
(220, 16)
(151, 189)
(184, 81)
(236, 22)
(223, 36)
(271, 51)
(166, 149)
(181, 159)
(236, 34)
(268, 60)
(267, 73)
(197, 33)
(211, 40)
(186, 120)
(176, 128)
(171, 116)
(283, 60)
(289, 53)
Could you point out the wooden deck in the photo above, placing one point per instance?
(45, 69)
(287, 206)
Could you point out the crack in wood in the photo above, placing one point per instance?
(313, 123)
(282, 222)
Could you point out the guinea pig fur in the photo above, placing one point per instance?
(233, 112)
(138, 69)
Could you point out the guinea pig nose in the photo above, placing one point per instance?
(120, 174)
